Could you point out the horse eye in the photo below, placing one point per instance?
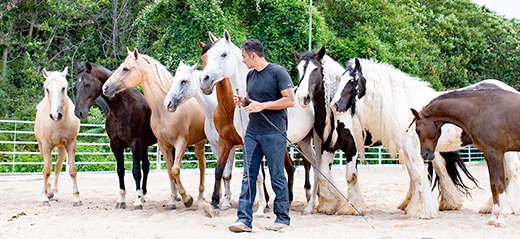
(47, 90)
(87, 85)
(224, 54)
(183, 82)
(63, 89)
(125, 69)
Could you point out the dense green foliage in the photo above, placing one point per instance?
(449, 43)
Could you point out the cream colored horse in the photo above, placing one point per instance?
(174, 131)
(56, 127)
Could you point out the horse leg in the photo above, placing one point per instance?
(501, 208)
(355, 196)
(180, 148)
(450, 198)
(512, 171)
(316, 157)
(289, 168)
(136, 172)
(263, 197)
(120, 165)
(201, 156)
(422, 204)
(168, 153)
(46, 151)
(71, 155)
(62, 154)
(224, 147)
(146, 170)
(228, 170)
(328, 196)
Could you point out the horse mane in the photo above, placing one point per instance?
(332, 72)
(390, 91)
(161, 74)
(464, 92)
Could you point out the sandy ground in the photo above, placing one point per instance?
(384, 187)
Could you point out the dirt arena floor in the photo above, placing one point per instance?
(384, 187)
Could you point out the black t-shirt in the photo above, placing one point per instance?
(264, 86)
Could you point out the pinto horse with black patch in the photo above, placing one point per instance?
(491, 117)
(127, 125)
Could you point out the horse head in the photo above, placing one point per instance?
(90, 79)
(220, 59)
(127, 75)
(429, 132)
(352, 87)
(184, 86)
(55, 86)
(310, 71)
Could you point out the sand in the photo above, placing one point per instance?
(384, 187)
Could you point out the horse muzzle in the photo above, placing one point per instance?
(56, 117)
(109, 91)
(206, 85)
(81, 114)
(171, 106)
(427, 156)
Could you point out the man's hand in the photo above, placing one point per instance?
(254, 107)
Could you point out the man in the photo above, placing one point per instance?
(270, 91)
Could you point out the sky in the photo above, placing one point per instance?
(508, 8)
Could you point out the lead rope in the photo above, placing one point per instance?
(317, 169)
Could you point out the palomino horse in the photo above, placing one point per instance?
(319, 76)
(490, 116)
(366, 87)
(56, 126)
(127, 125)
(222, 52)
(174, 131)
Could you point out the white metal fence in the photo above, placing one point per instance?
(19, 153)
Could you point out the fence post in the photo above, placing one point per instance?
(14, 145)
(158, 162)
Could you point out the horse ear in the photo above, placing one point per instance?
(321, 53)
(227, 36)
(136, 53)
(296, 55)
(77, 64)
(211, 37)
(201, 44)
(195, 66)
(45, 73)
(128, 51)
(64, 72)
(88, 66)
(415, 113)
(362, 81)
(357, 66)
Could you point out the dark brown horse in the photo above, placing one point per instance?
(127, 125)
(491, 117)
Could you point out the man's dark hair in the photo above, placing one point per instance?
(253, 45)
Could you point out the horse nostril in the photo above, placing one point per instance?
(105, 88)
(59, 116)
(206, 78)
(50, 115)
(80, 114)
(170, 105)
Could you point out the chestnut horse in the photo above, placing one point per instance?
(491, 117)
(174, 131)
(229, 120)
(56, 127)
(127, 125)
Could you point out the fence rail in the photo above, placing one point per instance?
(19, 153)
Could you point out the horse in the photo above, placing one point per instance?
(174, 131)
(127, 125)
(229, 119)
(490, 117)
(318, 78)
(184, 86)
(376, 89)
(56, 127)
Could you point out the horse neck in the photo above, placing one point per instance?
(208, 103)
(238, 79)
(153, 93)
(448, 111)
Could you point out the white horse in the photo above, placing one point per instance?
(224, 60)
(382, 95)
(184, 86)
(57, 126)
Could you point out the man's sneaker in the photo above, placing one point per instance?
(239, 227)
(277, 227)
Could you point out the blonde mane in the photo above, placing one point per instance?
(390, 93)
(161, 75)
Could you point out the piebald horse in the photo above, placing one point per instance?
(56, 127)
(174, 131)
(491, 117)
(225, 71)
(366, 87)
(127, 125)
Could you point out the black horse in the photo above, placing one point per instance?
(127, 124)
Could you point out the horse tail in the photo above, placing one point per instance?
(453, 159)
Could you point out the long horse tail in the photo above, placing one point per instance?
(453, 159)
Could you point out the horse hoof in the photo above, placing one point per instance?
(138, 207)
(225, 207)
(189, 203)
(46, 204)
(170, 207)
(77, 204)
(215, 212)
(500, 224)
(121, 205)
(306, 213)
(50, 195)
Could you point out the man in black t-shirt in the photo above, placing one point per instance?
(270, 91)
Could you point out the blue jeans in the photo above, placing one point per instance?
(273, 147)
